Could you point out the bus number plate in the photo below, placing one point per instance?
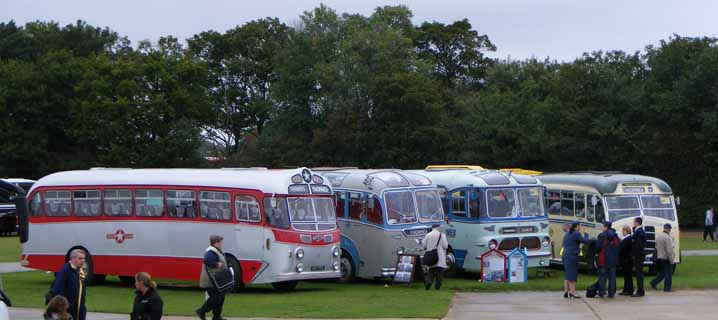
(317, 268)
(416, 232)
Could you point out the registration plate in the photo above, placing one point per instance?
(317, 268)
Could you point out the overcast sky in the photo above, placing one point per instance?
(559, 29)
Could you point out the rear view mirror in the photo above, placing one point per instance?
(678, 201)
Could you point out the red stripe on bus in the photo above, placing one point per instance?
(307, 238)
(159, 267)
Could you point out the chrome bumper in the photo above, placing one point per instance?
(308, 276)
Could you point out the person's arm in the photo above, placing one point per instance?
(157, 306)
(211, 260)
(444, 242)
(58, 286)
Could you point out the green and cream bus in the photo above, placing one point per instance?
(592, 198)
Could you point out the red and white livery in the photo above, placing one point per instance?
(279, 226)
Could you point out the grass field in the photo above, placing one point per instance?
(329, 300)
(9, 249)
(693, 240)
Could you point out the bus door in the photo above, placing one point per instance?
(247, 230)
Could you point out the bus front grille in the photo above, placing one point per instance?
(509, 244)
(531, 243)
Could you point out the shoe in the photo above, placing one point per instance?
(200, 314)
(428, 287)
(637, 294)
(626, 293)
(669, 290)
(574, 296)
(610, 296)
(565, 294)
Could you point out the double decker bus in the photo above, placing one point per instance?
(594, 197)
(278, 225)
(381, 213)
(490, 209)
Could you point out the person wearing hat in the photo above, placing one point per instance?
(572, 241)
(609, 245)
(664, 258)
(436, 240)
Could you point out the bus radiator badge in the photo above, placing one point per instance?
(119, 236)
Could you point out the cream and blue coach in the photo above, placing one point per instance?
(381, 213)
(489, 209)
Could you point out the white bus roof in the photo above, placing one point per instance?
(478, 178)
(268, 181)
(18, 180)
(373, 179)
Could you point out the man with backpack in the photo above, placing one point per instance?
(435, 244)
(609, 247)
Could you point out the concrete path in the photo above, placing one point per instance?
(699, 253)
(9, 267)
(689, 304)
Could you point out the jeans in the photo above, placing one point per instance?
(610, 275)
(215, 302)
(665, 272)
(708, 231)
(435, 274)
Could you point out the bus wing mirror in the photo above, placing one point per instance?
(678, 201)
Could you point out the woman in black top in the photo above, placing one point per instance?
(148, 304)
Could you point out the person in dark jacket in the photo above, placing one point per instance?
(70, 283)
(638, 244)
(609, 245)
(57, 309)
(213, 261)
(148, 303)
(626, 257)
(572, 241)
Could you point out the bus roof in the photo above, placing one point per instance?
(18, 180)
(603, 182)
(267, 181)
(454, 167)
(372, 179)
(478, 178)
(522, 171)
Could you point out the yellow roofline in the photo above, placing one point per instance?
(522, 171)
(455, 166)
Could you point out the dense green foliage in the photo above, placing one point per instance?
(352, 90)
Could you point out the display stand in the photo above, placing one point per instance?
(408, 269)
(517, 262)
(493, 266)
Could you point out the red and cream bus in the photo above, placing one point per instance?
(279, 226)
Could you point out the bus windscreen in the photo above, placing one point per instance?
(622, 207)
(312, 214)
(659, 206)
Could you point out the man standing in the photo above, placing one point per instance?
(436, 240)
(213, 262)
(664, 258)
(708, 225)
(626, 257)
(638, 244)
(70, 283)
(607, 260)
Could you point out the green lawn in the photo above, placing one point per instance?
(693, 240)
(9, 249)
(329, 300)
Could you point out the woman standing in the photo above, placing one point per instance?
(571, 246)
(148, 304)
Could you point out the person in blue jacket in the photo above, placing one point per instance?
(609, 245)
(572, 241)
(638, 245)
(70, 283)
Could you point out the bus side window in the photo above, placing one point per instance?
(458, 203)
(357, 206)
(374, 213)
(87, 203)
(181, 203)
(246, 208)
(57, 203)
(117, 203)
(567, 203)
(341, 199)
(600, 216)
(214, 205)
(36, 205)
(149, 203)
(278, 215)
(554, 202)
(476, 205)
(580, 205)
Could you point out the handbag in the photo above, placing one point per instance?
(223, 279)
(431, 257)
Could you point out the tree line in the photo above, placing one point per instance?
(352, 90)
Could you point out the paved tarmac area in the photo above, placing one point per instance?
(688, 304)
(10, 267)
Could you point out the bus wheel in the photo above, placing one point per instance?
(284, 286)
(451, 269)
(233, 264)
(347, 269)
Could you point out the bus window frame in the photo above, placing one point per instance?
(234, 196)
(452, 214)
(575, 203)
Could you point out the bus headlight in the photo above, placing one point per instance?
(336, 252)
(546, 241)
(400, 251)
(336, 266)
(493, 244)
(300, 267)
(299, 254)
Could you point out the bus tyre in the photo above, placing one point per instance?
(233, 264)
(451, 269)
(284, 285)
(346, 266)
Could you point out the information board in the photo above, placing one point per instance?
(493, 266)
(517, 266)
